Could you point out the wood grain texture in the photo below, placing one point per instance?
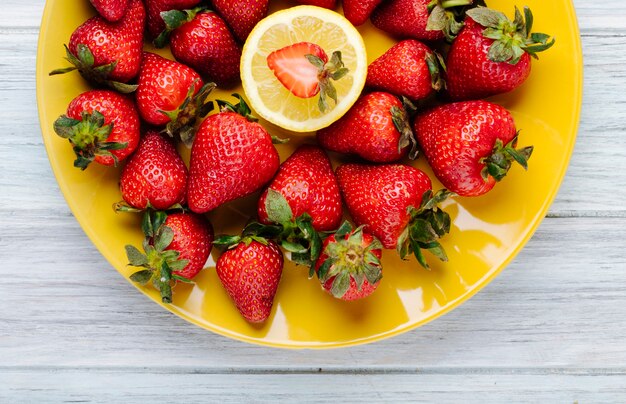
(549, 328)
(19, 14)
(416, 387)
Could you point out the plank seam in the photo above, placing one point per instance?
(373, 370)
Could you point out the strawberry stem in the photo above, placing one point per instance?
(454, 3)
(122, 206)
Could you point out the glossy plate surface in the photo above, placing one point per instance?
(487, 232)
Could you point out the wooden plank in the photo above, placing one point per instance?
(601, 143)
(20, 14)
(600, 18)
(141, 386)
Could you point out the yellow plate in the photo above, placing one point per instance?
(487, 232)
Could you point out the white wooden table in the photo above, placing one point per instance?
(550, 328)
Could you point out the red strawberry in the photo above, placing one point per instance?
(155, 176)
(349, 267)
(108, 52)
(408, 69)
(171, 93)
(193, 238)
(154, 8)
(303, 68)
(469, 145)
(231, 157)
(176, 248)
(358, 11)
(376, 128)
(395, 203)
(110, 10)
(292, 68)
(163, 85)
(250, 272)
(491, 55)
(302, 199)
(329, 4)
(241, 15)
(205, 44)
(307, 182)
(425, 20)
(101, 125)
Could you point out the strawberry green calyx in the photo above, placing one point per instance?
(88, 137)
(437, 67)
(447, 16)
(428, 223)
(253, 231)
(240, 108)
(333, 70)
(511, 38)
(228, 242)
(295, 234)
(244, 110)
(498, 163)
(400, 119)
(185, 120)
(348, 256)
(84, 61)
(174, 19)
(159, 264)
(122, 206)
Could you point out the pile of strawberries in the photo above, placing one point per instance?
(415, 100)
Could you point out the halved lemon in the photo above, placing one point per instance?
(275, 103)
